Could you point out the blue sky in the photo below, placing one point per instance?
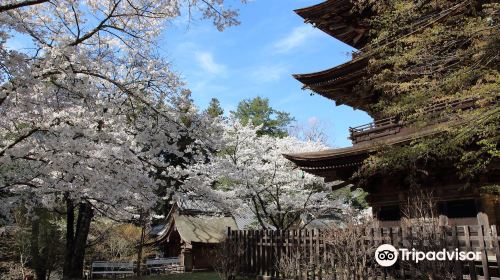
(257, 58)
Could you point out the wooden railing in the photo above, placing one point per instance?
(264, 249)
(392, 125)
(112, 268)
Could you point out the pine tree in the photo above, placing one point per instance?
(258, 112)
(214, 110)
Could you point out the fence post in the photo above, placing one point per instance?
(311, 252)
(468, 242)
(254, 252)
(245, 251)
(272, 243)
(484, 252)
(494, 241)
(482, 219)
(410, 245)
(259, 252)
(294, 236)
(299, 245)
(318, 254)
(455, 241)
(401, 245)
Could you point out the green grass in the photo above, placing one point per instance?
(184, 276)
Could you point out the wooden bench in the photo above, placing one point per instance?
(111, 268)
(164, 265)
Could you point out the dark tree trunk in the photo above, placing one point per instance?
(70, 235)
(140, 247)
(77, 240)
(85, 214)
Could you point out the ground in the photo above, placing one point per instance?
(185, 276)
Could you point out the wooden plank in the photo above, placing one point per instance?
(272, 253)
(409, 237)
(294, 249)
(242, 243)
(471, 265)
(260, 252)
(458, 268)
(311, 253)
(238, 241)
(279, 248)
(306, 235)
(282, 246)
(288, 243)
(299, 248)
(317, 259)
(484, 252)
(496, 247)
(246, 252)
(380, 232)
(266, 252)
(255, 250)
(401, 245)
(325, 249)
(250, 252)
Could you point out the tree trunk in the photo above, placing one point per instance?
(70, 235)
(141, 244)
(77, 240)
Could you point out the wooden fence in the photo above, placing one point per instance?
(264, 249)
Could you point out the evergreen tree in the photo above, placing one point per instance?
(214, 110)
(258, 112)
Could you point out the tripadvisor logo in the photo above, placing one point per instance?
(386, 255)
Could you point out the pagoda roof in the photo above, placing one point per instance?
(338, 83)
(341, 164)
(336, 19)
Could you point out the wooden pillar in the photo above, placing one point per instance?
(187, 257)
(376, 212)
(488, 210)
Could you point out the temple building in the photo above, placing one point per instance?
(191, 231)
(387, 194)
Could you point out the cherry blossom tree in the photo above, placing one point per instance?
(89, 110)
(249, 172)
(313, 130)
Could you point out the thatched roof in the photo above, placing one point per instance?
(202, 228)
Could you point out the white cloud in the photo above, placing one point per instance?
(207, 63)
(269, 73)
(296, 38)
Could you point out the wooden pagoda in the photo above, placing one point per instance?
(387, 195)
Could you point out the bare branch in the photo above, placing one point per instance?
(18, 5)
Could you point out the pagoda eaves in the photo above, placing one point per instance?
(341, 164)
(334, 17)
(338, 84)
